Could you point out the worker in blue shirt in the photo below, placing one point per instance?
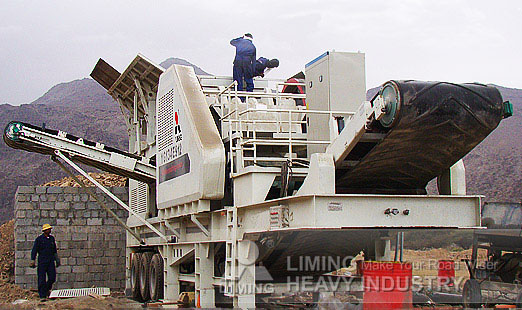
(45, 247)
(244, 62)
(263, 64)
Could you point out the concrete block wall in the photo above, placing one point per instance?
(90, 243)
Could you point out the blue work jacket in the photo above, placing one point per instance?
(245, 51)
(45, 247)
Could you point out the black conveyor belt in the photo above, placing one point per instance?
(437, 124)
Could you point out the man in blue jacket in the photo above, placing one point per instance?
(244, 62)
(45, 247)
(262, 64)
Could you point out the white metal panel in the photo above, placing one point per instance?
(367, 211)
(191, 165)
(335, 81)
(138, 195)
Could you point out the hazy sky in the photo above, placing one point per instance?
(47, 42)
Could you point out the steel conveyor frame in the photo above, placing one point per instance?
(31, 138)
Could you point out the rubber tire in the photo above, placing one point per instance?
(135, 276)
(156, 277)
(144, 275)
(471, 294)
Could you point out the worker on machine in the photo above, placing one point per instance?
(45, 247)
(244, 62)
(263, 66)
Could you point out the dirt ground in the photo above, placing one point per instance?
(425, 263)
(78, 303)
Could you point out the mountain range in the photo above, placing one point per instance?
(83, 108)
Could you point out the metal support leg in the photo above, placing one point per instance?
(205, 294)
(171, 275)
(383, 249)
(128, 287)
(246, 285)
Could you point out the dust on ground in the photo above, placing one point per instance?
(105, 179)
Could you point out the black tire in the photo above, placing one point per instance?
(471, 294)
(144, 275)
(135, 276)
(156, 277)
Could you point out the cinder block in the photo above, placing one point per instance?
(46, 205)
(86, 214)
(78, 206)
(79, 269)
(25, 190)
(93, 206)
(71, 190)
(54, 190)
(64, 253)
(24, 206)
(35, 198)
(68, 197)
(52, 197)
(44, 213)
(62, 205)
(22, 198)
(62, 222)
(43, 197)
(61, 278)
(84, 197)
(40, 189)
(94, 221)
(20, 214)
(79, 221)
(79, 237)
(64, 269)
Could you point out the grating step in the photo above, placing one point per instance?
(77, 292)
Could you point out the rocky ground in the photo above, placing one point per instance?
(105, 179)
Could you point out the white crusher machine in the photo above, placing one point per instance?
(228, 189)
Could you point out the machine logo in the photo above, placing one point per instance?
(176, 163)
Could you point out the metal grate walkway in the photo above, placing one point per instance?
(77, 292)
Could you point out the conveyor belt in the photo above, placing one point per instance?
(435, 125)
(32, 138)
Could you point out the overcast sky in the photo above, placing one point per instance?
(48, 42)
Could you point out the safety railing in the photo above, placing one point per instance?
(248, 124)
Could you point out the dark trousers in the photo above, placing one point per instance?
(44, 286)
(243, 71)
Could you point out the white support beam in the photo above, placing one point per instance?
(172, 229)
(195, 220)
